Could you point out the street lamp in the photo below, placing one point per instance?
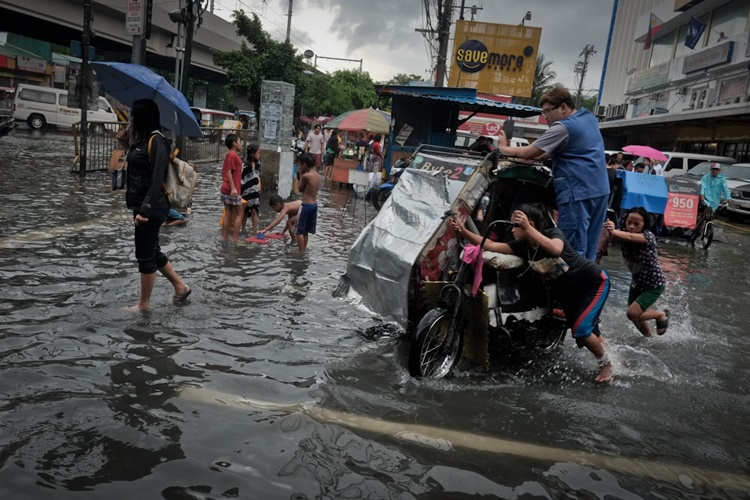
(527, 17)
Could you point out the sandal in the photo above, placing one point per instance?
(180, 297)
(661, 326)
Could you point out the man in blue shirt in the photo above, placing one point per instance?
(714, 187)
(579, 169)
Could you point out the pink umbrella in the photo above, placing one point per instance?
(646, 152)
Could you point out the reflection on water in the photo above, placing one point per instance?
(95, 399)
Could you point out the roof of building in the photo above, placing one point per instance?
(467, 98)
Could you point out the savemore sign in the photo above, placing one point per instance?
(495, 58)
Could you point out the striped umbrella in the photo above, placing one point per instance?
(370, 120)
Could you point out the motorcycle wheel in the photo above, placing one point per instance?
(379, 197)
(708, 235)
(555, 337)
(429, 355)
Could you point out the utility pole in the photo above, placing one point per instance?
(289, 23)
(177, 48)
(582, 67)
(444, 31)
(192, 11)
(85, 41)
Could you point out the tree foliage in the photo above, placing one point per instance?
(589, 102)
(543, 76)
(321, 97)
(404, 79)
(357, 85)
(259, 58)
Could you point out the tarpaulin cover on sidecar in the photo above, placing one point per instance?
(381, 259)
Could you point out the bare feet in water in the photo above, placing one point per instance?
(604, 375)
(135, 308)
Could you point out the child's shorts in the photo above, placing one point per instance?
(644, 298)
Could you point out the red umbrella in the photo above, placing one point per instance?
(646, 152)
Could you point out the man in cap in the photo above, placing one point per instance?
(714, 187)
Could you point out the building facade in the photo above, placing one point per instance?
(669, 95)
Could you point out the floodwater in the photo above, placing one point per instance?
(266, 386)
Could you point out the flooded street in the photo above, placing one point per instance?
(266, 386)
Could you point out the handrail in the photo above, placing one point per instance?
(102, 141)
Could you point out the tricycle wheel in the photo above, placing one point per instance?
(379, 196)
(708, 234)
(436, 347)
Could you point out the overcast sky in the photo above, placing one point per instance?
(381, 32)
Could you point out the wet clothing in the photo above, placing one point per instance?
(232, 166)
(645, 299)
(146, 196)
(146, 176)
(228, 199)
(582, 222)
(147, 250)
(579, 174)
(307, 218)
(251, 186)
(581, 289)
(643, 262)
(713, 189)
(648, 281)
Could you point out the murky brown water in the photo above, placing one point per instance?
(266, 386)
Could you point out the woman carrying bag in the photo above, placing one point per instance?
(147, 169)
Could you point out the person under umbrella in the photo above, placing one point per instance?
(148, 160)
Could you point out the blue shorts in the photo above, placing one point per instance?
(582, 310)
(307, 218)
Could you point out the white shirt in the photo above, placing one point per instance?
(315, 142)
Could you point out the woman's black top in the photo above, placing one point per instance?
(145, 177)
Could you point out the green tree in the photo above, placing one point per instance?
(543, 76)
(321, 97)
(589, 102)
(259, 58)
(404, 79)
(357, 85)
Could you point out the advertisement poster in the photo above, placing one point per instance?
(682, 203)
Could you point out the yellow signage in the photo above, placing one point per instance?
(495, 58)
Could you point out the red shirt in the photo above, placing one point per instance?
(233, 164)
(377, 149)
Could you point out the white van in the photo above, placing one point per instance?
(41, 106)
(680, 163)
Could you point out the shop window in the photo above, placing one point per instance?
(663, 48)
(729, 20)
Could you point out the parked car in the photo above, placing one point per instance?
(680, 163)
(739, 204)
(42, 106)
(736, 175)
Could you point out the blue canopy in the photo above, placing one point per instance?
(643, 190)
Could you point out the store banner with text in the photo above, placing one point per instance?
(495, 58)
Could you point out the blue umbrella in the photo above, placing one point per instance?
(129, 82)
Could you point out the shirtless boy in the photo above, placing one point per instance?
(308, 214)
(288, 209)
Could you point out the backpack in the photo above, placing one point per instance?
(181, 178)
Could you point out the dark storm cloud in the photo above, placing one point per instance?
(364, 24)
(386, 28)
